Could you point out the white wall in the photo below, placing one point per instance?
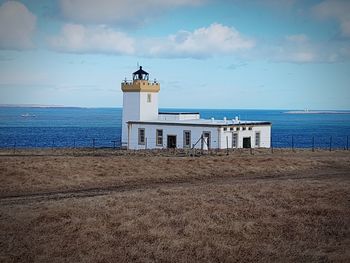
(265, 136)
(150, 134)
(136, 107)
(217, 141)
(148, 110)
(131, 111)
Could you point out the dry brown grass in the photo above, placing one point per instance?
(288, 207)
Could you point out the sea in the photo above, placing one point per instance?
(52, 127)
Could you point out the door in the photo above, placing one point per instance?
(206, 137)
(171, 141)
(234, 140)
(246, 142)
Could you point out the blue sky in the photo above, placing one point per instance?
(271, 54)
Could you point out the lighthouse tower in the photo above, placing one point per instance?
(140, 101)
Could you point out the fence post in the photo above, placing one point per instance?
(202, 144)
(226, 145)
(93, 145)
(74, 143)
(271, 143)
(271, 147)
(14, 148)
(146, 143)
(292, 143)
(330, 143)
(313, 143)
(347, 142)
(53, 143)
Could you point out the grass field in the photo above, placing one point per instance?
(281, 207)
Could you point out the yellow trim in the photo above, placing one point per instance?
(140, 86)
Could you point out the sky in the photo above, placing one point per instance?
(220, 54)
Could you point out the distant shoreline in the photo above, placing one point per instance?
(31, 106)
(317, 112)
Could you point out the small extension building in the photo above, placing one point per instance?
(144, 127)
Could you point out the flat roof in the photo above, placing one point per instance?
(201, 122)
(178, 113)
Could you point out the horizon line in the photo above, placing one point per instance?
(194, 108)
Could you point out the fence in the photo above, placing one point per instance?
(311, 142)
(61, 143)
(277, 141)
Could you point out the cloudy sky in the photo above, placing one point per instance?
(228, 54)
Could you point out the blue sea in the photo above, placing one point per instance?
(101, 127)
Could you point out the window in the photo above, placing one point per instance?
(159, 137)
(141, 136)
(250, 128)
(187, 139)
(225, 129)
(234, 140)
(243, 128)
(231, 129)
(257, 139)
(149, 97)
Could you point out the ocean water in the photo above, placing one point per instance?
(101, 127)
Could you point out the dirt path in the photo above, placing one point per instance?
(285, 207)
(100, 191)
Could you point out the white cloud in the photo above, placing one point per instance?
(201, 43)
(94, 39)
(204, 42)
(338, 10)
(295, 49)
(301, 49)
(118, 11)
(17, 26)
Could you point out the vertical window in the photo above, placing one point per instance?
(141, 136)
(149, 97)
(187, 139)
(257, 139)
(234, 140)
(159, 137)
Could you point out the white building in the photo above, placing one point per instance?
(143, 127)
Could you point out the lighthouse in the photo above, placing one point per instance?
(144, 127)
(140, 101)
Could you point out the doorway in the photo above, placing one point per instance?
(171, 141)
(206, 137)
(246, 142)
